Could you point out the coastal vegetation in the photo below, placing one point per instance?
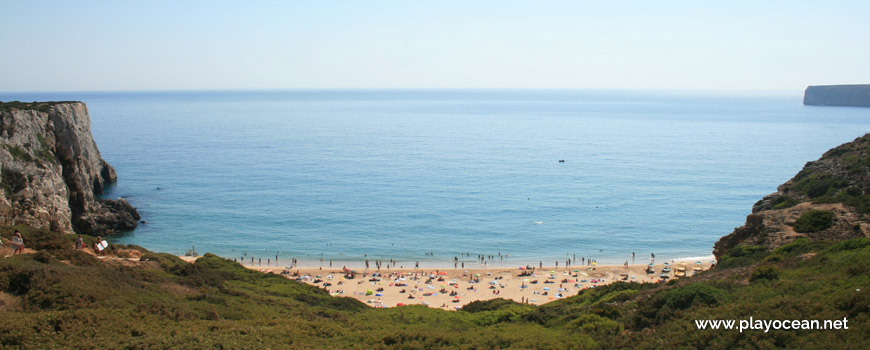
(814, 221)
(42, 106)
(59, 297)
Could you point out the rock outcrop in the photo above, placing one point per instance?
(838, 95)
(52, 172)
(828, 199)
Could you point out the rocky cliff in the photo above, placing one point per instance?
(838, 95)
(52, 172)
(828, 199)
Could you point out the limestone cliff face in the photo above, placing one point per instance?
(52, 172)
(836, 188)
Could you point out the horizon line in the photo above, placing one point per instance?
(373, 89)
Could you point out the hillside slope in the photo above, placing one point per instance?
(828, 199)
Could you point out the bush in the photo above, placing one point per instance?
(774, 258)
(814, 221)
(852, 244)
(685, 297)
(764, 273)
(782, 202)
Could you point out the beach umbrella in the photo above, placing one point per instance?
(476, 275)
(546, 288)
(493, 282)
(552, 271)
(369, 292)
(561, 289)
(576, 270)
(443, 272)
(400, 304)
(522, 267)
(379, 295)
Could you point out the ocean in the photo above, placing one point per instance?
(429, 175)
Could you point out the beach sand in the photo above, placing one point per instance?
(433, 287)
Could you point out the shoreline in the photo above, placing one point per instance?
(268, 261)
(452, 288)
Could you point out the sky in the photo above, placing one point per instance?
(191, 45)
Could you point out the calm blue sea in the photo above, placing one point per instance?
(398, 174)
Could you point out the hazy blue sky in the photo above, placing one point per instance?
(145, 45)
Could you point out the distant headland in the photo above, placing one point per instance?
(838, 95)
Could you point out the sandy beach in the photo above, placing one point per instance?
(450, 289)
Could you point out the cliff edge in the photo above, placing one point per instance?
(829, 199)
(52, 172)
(838, 95)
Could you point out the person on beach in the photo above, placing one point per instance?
(17, 243)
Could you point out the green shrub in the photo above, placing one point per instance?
(685, 297)
(782, 202)
(774, 258)
(814, 221)
(852, 244)
(764, 273)
(742, 255)
(488, 305)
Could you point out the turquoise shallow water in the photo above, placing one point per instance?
(397, 174)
